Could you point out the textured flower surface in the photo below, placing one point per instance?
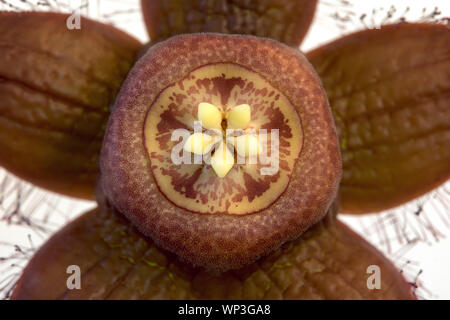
(156, 234)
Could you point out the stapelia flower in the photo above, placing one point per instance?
(166, 230)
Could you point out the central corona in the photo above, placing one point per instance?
(223, 97)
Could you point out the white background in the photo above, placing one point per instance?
(418, 244)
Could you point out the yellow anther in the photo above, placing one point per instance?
(199, 143)
(222, 161)
(210, 116)
(239, 117)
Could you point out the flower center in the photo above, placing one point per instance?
(188, 179)
(224, 132)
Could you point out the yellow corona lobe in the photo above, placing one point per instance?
(239, 117)
(210, 116)
(222, 160)
(248, 145)
(199, 143)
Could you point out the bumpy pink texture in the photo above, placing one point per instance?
(220, 242)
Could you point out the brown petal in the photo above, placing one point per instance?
(116, 262)
(284, 20)
(390, 93)
(56, 87)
